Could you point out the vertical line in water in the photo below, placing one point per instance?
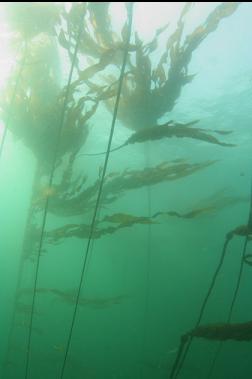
(177, 367)
(44, 217)
(87, 250)
(148, 261)
(220, 346)
(30, 215)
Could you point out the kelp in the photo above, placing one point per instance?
(38, 105)
(97, 33)
(192, 214)
(165, 171)
(34, 116)
(127, 219)
(223, 332)
(221, 199)
(216, 202)
(212, 204)
(36, 111)
(99, 42)
(147, 94)
(106, 59)
(152, 91)
(34, 127)
(248, 259)
(69, 297)
(242, 231)
(77, 198)
(83, 231)
(171, 129)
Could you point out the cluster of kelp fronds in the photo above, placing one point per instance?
(173, 129)
(112, 223)
(74, 197)
(83, 231)
(36, 109)
(210, 205)
(148, 93)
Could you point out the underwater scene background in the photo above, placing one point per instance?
(106, 259)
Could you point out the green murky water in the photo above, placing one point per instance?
(106, 263)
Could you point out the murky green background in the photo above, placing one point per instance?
(162, 271)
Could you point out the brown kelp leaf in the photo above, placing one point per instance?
(152, 46)
(169, 130)
(211, 23)
(83, 231)
(105, 59)
(101, 23)
(242, 230)
(223, 332)
(63, 41)
(124, 32)
(159, 75)
(123, 218)
(248, 259)
(165, 171)
(211, 204)
(86, 74)
(222, 132)
(74, 197)
(186, 9)
(188, 215)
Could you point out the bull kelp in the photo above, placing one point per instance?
(125, 169)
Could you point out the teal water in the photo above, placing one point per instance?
(147, 272)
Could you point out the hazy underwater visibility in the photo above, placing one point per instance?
(125, 190)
